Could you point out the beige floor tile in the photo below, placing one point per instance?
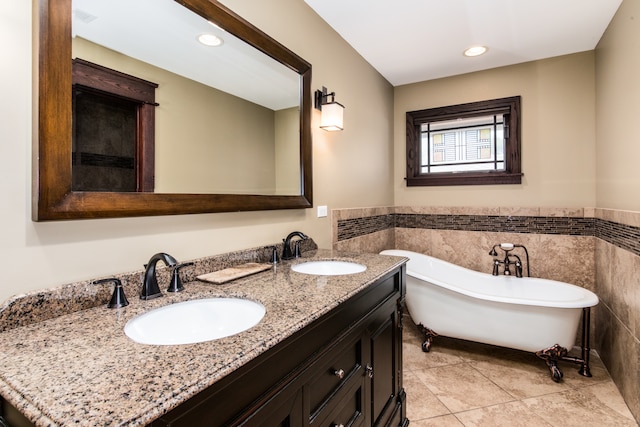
(484, 385)
(597, 405)
(512, 414)
(421, 403)
(460, 387)
(608, 394)
(472, 351)
(414, 358)
(469, 350)
(519, 378)
(573, 379)
(410, 330)
(442, 421)
(532, 370)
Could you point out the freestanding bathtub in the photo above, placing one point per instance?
(529, 314)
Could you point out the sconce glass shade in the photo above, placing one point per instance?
(332, 116)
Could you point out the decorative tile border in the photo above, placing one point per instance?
(356, 227)
(624, 236)
(494, 223)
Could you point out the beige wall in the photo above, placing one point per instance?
(618, 111)
(558, 133)
(287, 152)
(206, 140)
(40, 255)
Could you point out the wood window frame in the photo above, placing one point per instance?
(512, 174)
(124, 86)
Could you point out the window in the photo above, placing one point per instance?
(467, 144)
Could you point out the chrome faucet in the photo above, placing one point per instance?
(509, 259)
(150, 287)
(286, 250)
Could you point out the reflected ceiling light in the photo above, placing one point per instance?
(332, 112)
(475, 51)
(210, 40)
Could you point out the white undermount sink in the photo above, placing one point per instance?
(328, 268)
(194, 321)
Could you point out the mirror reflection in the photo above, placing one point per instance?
(226, 118)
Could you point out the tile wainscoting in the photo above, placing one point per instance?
(598, 249)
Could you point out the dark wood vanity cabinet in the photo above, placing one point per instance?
(344, 369)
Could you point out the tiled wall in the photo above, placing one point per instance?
(594, 248)
(618, 286)
(464, 236)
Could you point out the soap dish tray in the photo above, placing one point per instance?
(226, 275)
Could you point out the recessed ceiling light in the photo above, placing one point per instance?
(210, 40)
(475, 51)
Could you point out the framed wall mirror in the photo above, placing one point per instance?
(231, 128)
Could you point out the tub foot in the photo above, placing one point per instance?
(429, 335)
(551, 356)
(556, 373)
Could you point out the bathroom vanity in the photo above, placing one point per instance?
(328, 352)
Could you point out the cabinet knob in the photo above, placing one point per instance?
(339, 373)
(369, 370)
(338, 425)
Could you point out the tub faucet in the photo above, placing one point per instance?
(286, 250)
(509, 259)
(150, 287)
(517, 264)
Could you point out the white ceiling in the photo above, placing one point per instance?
(409, 41)
(168, 39)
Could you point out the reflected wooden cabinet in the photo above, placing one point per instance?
(113, 133)
(345, 369)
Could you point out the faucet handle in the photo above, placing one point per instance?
(496, 267)
(118, 299)
(176, 283)
(518, 269)
(275, 258)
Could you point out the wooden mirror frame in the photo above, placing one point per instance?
(53, 198)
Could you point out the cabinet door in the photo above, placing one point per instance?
(385, 365)
(283, 411)
(10, 416)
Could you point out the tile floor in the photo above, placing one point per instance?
(460, 383)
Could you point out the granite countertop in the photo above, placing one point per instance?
(81, 369)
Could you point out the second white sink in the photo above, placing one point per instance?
(329, 268)
(195, 321)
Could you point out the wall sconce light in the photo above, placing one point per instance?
(331, 111)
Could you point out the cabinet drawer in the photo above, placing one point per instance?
(350, 413)
(342, 364)
(346, 408)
